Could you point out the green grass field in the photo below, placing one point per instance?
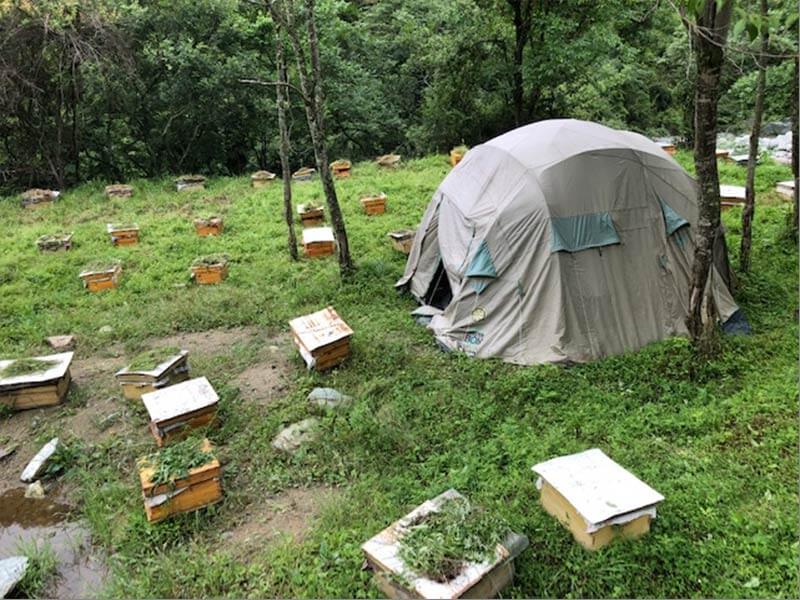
(721, 446)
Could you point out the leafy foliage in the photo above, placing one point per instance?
(150, 359)
(26, 366)
(176, 460)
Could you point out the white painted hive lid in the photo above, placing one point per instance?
(597, 487)
(179, 399)
(732, 191)
(57, 370)
(320, 329)
(317, 234)
(384, 549)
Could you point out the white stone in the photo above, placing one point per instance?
(295, 435)
(329, 398)
(12, 570)
(35, 490)
(38, 462)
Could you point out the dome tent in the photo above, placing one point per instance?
(558, 241)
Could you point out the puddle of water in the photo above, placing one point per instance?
(27, 521)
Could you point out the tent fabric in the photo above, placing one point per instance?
(617, 210)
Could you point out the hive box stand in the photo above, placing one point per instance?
(45, 388)
(595, 498)
(202, 487)
(322, 338)
(134, 384)
(476, 580)
(179, 408)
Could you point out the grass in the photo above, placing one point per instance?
(42, 566)
(442, 542)
(150, 359)
(721, 447)
(26, 366)
(175, 461)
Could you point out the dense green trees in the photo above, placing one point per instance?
(113, 89)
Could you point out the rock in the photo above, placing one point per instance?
(329, 398)
(12, 570)
(61, 342)
(274, 349)
(6, 451)
(295, 435)
(106, 329)
(38, 462)
(35, 490)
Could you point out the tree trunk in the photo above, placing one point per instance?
(750, 193)
(796, 143)
(708, 39)
(521, 16)
(286, 175)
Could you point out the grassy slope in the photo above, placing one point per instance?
(721, 448)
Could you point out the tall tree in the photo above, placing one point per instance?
(796, 143)
(755, 132)
(522, 12)
(282, 93)
(309, 71)
(708, 22)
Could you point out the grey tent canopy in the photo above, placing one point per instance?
(562, 240)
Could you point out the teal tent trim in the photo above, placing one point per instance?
(582, 232)
(481, 268)
(672, 220)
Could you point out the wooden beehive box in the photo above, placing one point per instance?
(318, 242)
(390, 161)
(474, 580)
(785, 188)
(207, 227)
(123, 235)
(34, 389)
(374, 205)
(190, 183)
(456, 154)
(54, 242)
(304, 174)
(723, 154)
(668, 147)
(311, 215)
(595, 498)
(177, 409)
(341, 168)
(261, 179)
(97, 278)
(731, 195)
(119, 190)
(402, 240)
(210, 270)
(200, 487)
(322, 338)
(38, 197)
(168, 371)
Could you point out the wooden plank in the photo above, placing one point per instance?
(188, 499)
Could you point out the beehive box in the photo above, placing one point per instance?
(123, 235)
(119, 190)
(341, 168)
(24, 388)
(99, 277)
(177, 409)
(210, 270)
(456, 154)
(200, 487)
(595, 498)
(322, 338)
(311, 215)
(38, 197)
(402, 240)
(318, 242)
(304, 174)
(723, 154)
(484, 579)
(668, 147)
(208, 227)
(190, 183)
(261, 179)
(169, 370)
(785, 188)
(55, 242)
(731, 195)
(390, 161)
(374, 205)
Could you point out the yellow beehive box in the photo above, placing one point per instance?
(123, 235)
(261, 179)
(101, 276)
(35, 382)
(210, 270)
(153, 370)
(374, 205)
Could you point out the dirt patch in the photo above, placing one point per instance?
(213, 341)
(269, 379)
(290, 514)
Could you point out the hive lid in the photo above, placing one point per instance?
(111, 227)
(159, 369)
(597, 487)
(732, 191)
(57, 370)
(320, 329)
(317, 234)
(384, 550)
(402, 234)
(179, 399)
